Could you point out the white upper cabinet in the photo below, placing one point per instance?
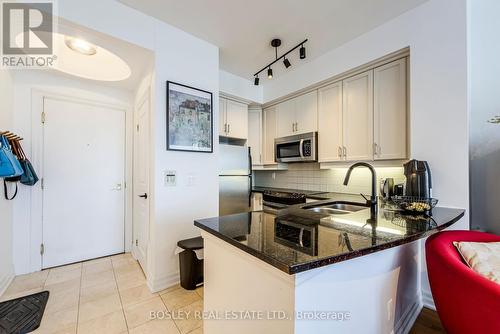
(358, 117)
(269, 131)
(234, 119)
(298, 115)
(330, 123)
(306, 112)
(390, 111)
(255, 135)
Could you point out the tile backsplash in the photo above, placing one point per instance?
(308, 176)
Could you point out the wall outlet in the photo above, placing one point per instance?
(170, 178)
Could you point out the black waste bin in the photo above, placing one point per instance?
(191, 267)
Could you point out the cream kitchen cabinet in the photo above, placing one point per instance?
(330, 141)
(357, 117)
(233, 118)
(389, 109)
(298, 115)
(255, 135)
(269, 134)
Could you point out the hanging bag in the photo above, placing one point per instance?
(9, 165)
(14, 179)
(29, 177)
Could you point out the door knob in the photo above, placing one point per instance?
(145, 196)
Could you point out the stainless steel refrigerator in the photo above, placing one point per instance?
(235, 179)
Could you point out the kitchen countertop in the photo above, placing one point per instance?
(337, 238)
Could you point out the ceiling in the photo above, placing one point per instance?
(243, 29)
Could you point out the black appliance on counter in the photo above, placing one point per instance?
(418, 179)
(274, 201)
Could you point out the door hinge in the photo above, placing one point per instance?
(42, 249)
(136, 242)
(43, 117)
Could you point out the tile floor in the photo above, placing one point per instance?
(107, 295)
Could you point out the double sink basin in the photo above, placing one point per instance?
(336, 208)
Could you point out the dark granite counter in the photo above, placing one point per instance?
(298, 239)
(311, 194)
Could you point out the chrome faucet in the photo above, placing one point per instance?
(372, 202)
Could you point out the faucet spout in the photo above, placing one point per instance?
(373, 199)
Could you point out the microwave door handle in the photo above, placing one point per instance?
(301, 148)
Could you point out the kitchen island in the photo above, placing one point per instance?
(303, 271)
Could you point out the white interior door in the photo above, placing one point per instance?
(83, 172)
(141, 183)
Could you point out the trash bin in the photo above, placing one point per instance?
(191, 266)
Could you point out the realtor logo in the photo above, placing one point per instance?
(27, 34)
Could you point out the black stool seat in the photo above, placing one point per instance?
(191, 244)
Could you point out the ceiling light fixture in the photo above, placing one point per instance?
(81, 46)
(286, 62)
(275, 43)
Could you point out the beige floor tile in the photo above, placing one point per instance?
(197, 331)
(121, 256)
(62, 301)
(128, 269)
(26, 283)
(98, 291)
(136, 294)
(156, 327)
(96, 261)
(66, 268)
(138, 314)
(64, 287)
(13, 295)
(199, 291)
(98, 267)
(130, 280)
(112, 323)
(169, 289)
(99, 307)
(63, 321)
(40, 275)
(98, 278)
(179, 298)
(59, 276)
(193, 320)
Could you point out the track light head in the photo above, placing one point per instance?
(256, 81)
(302, 52)
(286, 62)
(270, 73)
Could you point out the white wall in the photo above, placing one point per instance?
(6, 112)
(185, 59)
(436, 34)
(26, 229)
(484, 137)
(240, 87)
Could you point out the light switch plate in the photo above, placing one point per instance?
(170, 178)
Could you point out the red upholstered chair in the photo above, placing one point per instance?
(465, 301)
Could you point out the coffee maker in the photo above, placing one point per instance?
(418, 179)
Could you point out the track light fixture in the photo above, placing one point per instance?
(275, 43)
(286, 62)
(302, 52)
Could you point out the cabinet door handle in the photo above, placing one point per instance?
(296, 126)
(340, 152)
(345, 151)
(228, 128)
(375, 148)
(293, 127)
(225, 127)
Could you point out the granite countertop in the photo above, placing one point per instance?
(326, 239)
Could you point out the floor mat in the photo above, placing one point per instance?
(22, 315)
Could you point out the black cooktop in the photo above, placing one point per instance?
(283, 197)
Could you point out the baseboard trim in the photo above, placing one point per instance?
(162, 283)
(428, 300)
(6, 280)
(405, 323)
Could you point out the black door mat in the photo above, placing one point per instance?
(22, 315)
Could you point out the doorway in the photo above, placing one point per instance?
(83, 197)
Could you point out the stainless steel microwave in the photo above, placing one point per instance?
(297, 148)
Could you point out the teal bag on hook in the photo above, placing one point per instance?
(9, 165)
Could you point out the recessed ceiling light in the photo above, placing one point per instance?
(81, 46)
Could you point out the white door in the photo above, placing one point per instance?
(222, 117)
(358, 116)
(255, 135)
(285, 118)
(269, 135)
(141, 182)
(83, 173)
(306, 112)
(237, 120)
(330, 123)
(389, 86)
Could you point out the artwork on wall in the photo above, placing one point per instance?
(189, 119)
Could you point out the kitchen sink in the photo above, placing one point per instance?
(337, 208)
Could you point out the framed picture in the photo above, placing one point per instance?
(189, 119)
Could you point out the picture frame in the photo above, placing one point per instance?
(189, 118)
